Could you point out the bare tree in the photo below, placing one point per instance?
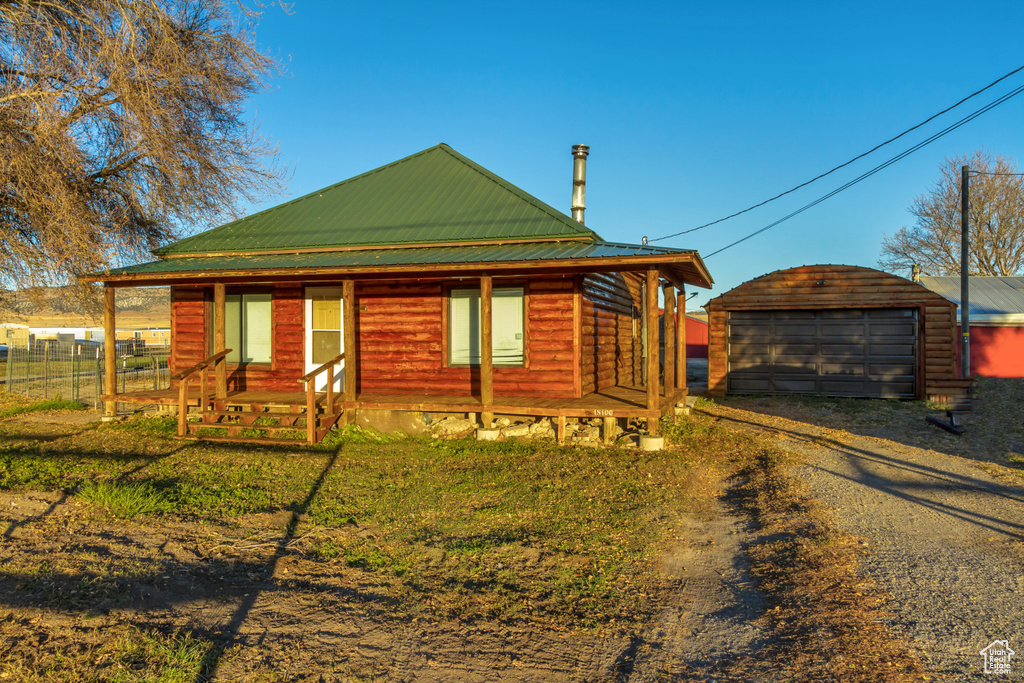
(996, 221)
(121, 121)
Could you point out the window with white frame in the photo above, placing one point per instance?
(246, 327)
(464, 329)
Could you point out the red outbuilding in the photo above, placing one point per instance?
(996, 321)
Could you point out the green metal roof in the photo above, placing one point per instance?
(685, 263)
(434, 196)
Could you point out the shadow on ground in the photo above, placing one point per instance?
(993, 430)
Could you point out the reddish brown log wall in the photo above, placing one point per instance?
(612, 352)
(191, 332)
(401, 338)
(833, 287)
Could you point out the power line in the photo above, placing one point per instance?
(843, 165)
(949, 129)
(973, 172)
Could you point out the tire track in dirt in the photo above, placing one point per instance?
(713, 616)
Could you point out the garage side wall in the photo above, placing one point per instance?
(844, 287)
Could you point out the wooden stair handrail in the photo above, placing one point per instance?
(201, 365)
(310, 375)
(185, 376)
(309, 379)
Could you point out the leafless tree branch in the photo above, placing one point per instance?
(996, 221)
(121, 121)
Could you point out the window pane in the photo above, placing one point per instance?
(326, 313)
(256, 328)
(506, 320)
(233, 326)
(326, 345)
(464, 327)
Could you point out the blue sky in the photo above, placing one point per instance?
(692, 110)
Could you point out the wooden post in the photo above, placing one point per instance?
(610, 423)
(652, 351)
(46, 369)
(681, 340)
(351, 353)
(670, 339)
(330, 391)
(10, 368)
(220, 342)
(486, 352)
(109, 351)
(310, 412)
(183, 407)
(560, 428)
(204, 397)
(577, 336)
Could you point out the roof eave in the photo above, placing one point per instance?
(680, 269)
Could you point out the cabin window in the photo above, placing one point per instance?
(246, 327)
(464, 326)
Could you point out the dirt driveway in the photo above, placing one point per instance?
(942, 517)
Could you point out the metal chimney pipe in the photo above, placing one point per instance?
(579, 181)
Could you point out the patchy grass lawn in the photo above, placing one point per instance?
(404, 529)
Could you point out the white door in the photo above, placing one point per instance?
(325, 334)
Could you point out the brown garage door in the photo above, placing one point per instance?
(869, 352)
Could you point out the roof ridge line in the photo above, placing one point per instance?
(536, 202)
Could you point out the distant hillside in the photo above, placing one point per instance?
(137, 307)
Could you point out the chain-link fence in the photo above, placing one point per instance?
(75, 370)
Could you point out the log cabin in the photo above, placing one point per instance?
(429, 284)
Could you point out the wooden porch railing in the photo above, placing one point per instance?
(185, 377)
(330, 416)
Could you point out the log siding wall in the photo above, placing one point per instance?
(402, 340)
(192, 330)
(851, 287)
(612, 350)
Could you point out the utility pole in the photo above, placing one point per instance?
(965, 304)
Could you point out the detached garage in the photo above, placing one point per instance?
(833, 331)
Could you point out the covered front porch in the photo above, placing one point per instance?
(242, 412)
(310, 411)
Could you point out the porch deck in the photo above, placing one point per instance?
(618, 401)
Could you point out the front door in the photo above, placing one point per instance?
(325, 336)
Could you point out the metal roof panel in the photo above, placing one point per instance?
(436, 195)
(686, 262)
(992, 298)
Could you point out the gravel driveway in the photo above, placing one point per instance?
(944, 538)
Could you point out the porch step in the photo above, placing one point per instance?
(247, 418)
(247, 439)
(286, 423)
(194, 427)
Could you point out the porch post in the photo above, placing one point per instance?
(681, 340)
(670, 339)
(486, 352)
(652, 352)
(219, 342)
(109, 354)
(351, 354)
(577, 336)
